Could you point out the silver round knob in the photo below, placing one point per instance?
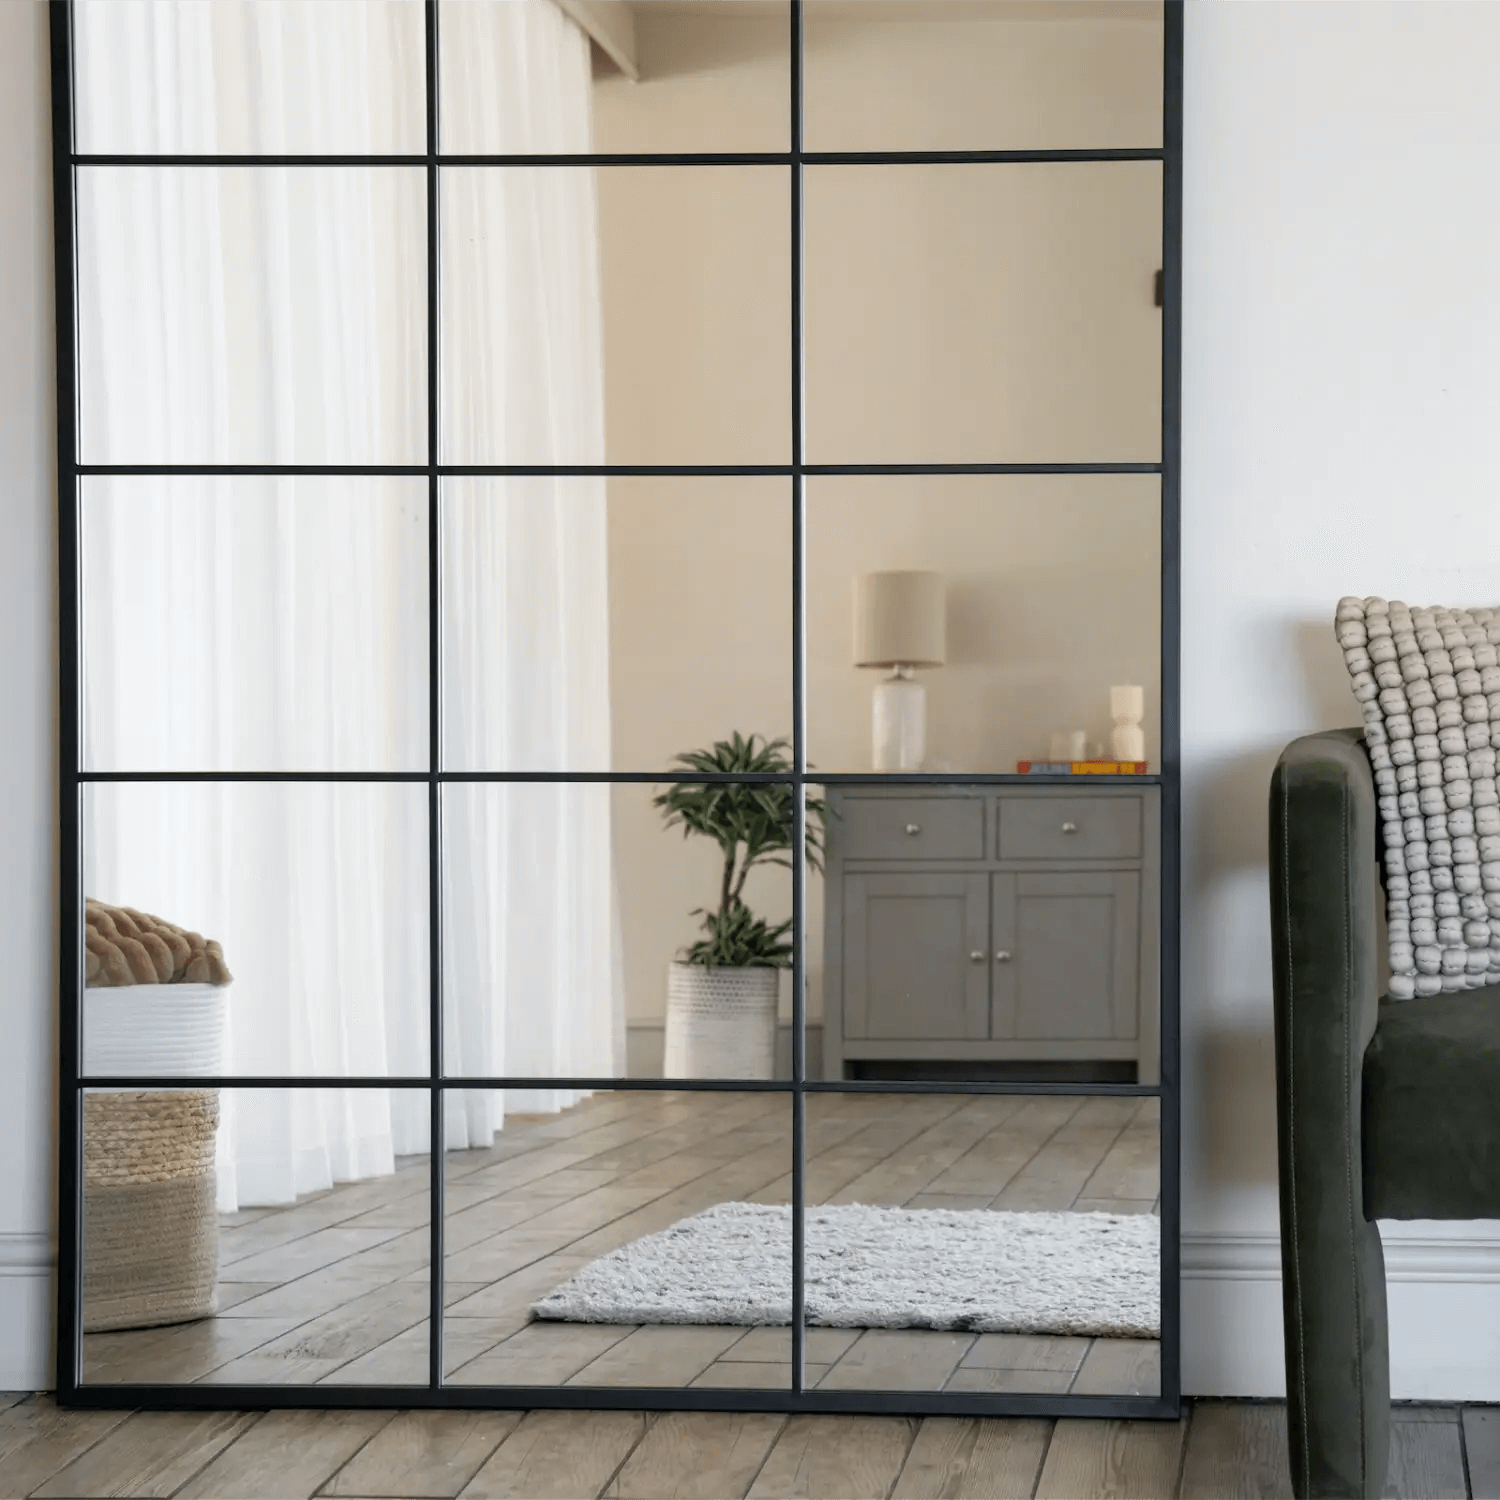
(1070, 828)
(976, 957)
(913, 829)
(1003, 956)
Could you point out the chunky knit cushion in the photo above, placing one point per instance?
(1428, 681)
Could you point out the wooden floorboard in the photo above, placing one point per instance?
(286, 1455)
(698, 1455)
(1221, 1450)
(558, 1455)
(424, 1453)
(835, 1458)
(1121, 1460)
(1427, 1459)
(1237, 1451)
(1481, 1432)
(151, 1453)
(37, 1440)
(974, 1458)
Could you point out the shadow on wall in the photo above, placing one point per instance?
(1330, 699)
(1227, 937)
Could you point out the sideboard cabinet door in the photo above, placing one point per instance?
(1071, 967)
(916, 956)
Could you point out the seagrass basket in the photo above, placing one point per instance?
(150, 1230)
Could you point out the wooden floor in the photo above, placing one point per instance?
(334, 1289)
(1218, 1449)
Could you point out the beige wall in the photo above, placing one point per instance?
(953, 314)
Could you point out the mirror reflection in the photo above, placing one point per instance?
(596, 929)
(974, 75)
(561, 1270)
(658, 75)
(315, 896)
(252, 315)
(641, 930)
(249, 77)
(1038, 1220)
(983, 313)
(255, 1236)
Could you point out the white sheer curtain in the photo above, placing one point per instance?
(278, 316)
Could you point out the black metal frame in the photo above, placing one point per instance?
(71, 1389)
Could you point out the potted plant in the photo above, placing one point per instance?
(722, 989)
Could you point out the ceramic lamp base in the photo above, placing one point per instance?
(900, 725)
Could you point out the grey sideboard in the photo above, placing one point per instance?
(1000, 925)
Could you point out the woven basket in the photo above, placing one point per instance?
(721, 1023)
(150, 1232)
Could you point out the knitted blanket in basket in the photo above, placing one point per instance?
(124, 946)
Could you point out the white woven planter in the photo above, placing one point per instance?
(721, 1023)
(155, 1030)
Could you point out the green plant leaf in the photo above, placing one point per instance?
(752, 824)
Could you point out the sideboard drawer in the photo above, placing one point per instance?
(1070, 828)
(910, 827)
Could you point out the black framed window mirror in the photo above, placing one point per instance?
(619, 703)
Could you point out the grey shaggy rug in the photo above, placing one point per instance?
(1096, 1275)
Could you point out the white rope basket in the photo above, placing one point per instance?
(721, 1023)
(155, 1030)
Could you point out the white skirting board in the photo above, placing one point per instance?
(1442, 1288)
(28, 1299)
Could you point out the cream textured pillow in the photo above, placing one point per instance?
(1429, 685)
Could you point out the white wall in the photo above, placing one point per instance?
(1341, 425)
(28, 672)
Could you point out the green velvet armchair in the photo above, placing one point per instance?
(1386, 1110)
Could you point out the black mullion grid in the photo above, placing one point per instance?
(1170, 877)
(631, 158)
(70, 470)
(116, 1397)
(799, 730)
(70, 886)
(598, 471)
(437, 1132)
(487, 1083)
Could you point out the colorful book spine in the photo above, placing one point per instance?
(1081, 767)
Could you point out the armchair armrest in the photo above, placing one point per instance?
(1326, 976)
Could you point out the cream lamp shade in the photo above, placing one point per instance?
(900, 620)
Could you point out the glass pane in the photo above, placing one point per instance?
(1001, 933)
(656, 76)
(574, 917)
(983, 313)
(591, 626)
(1040, 594)
(249, 77)
(284, 620)
(1015, 1241)
(316, 897)
(629, 315)
(977, 75)
(256, 1236)
(558, 1269)
(252, 315)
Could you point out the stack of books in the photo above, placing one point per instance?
(1081, 767)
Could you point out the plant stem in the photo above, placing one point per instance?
(727, 891)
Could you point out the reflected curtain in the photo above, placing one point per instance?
(318, 898)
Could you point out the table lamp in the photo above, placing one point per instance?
(899, 624)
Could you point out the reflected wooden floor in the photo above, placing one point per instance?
(334, 1289)
(1218, 1451)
